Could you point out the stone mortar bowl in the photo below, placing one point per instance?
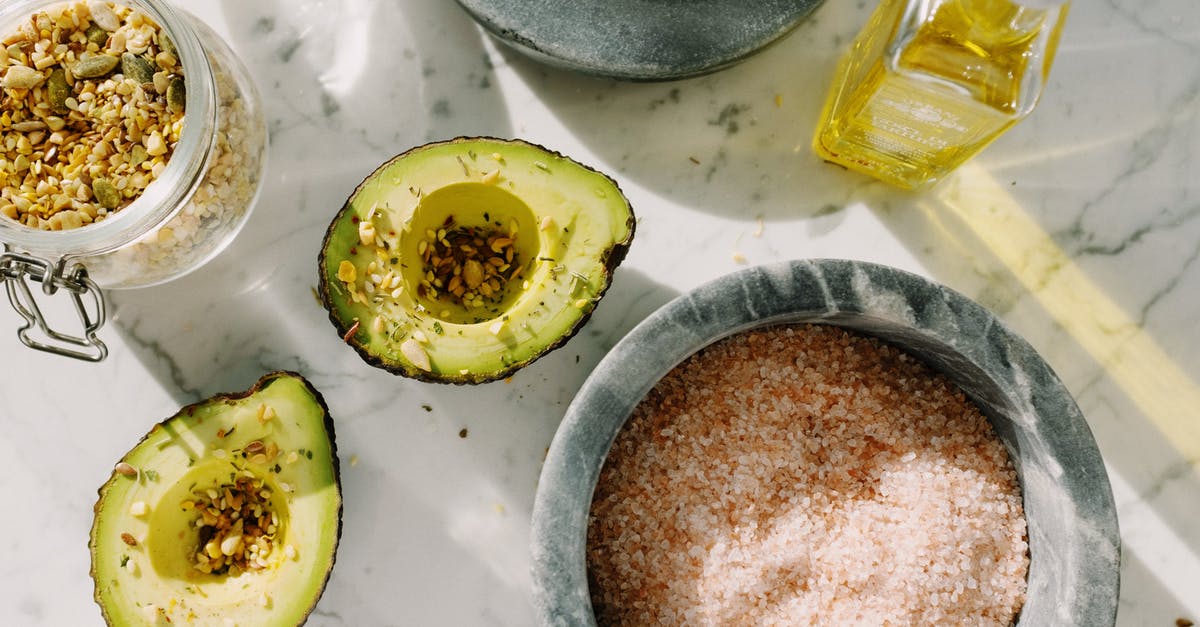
(640, 40)
(1074, 545)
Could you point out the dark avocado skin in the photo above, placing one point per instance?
(612, 258)
(220, 398)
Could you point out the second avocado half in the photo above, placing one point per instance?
(463, 261)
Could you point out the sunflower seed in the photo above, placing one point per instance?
(22, 77)
(103, 15)
(415, 354)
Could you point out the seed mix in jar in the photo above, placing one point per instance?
(93, 105)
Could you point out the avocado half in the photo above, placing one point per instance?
(227, 513)
(463, 261)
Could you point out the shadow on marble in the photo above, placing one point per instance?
(735, 143)
(388, 75)
(536, 397)
(632, 296)
(392, 520)
(341, 96)
(1143, 595)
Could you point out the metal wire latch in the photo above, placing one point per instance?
(16, 269)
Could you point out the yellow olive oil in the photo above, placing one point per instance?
(929, 83)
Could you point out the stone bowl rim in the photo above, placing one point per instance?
(560, 509)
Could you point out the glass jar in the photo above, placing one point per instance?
(190, 211)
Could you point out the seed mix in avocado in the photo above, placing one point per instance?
(463, 261)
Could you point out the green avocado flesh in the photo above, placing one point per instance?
(228, 513)
(463, 261)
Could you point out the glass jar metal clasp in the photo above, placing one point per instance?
(17, 269)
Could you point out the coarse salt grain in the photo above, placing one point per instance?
(806, 475)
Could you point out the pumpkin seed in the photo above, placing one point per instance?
(166, 45)
(95, 66)
(96, 35)
(176, 95)
(137, 155)
(57, 90)
(137, 68)
(106, 194)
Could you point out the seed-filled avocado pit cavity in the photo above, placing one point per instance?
(236, 524)
(480, 243)
(463, 261)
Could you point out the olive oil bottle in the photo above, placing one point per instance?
(930, 83)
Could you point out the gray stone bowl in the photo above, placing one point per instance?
(643, 40)
(1074, 545)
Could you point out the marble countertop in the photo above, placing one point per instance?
(1080, 228)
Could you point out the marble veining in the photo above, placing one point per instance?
(1078, 228)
